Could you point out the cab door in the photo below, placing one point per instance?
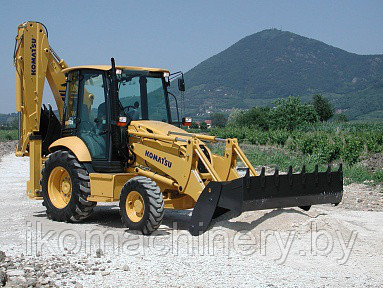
(93, 126)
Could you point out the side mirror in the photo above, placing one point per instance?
(187, 121)
(181, 84)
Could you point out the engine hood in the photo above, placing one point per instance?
(156, 127)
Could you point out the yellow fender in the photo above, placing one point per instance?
(75, 145)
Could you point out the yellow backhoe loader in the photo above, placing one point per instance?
(114, 139)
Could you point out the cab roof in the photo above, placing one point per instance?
(108, 67)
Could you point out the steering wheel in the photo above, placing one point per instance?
(89, 127)
(135, 106)
(129, 106)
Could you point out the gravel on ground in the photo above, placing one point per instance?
(324, 247)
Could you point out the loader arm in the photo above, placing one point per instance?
(35, 61)
(221, 189)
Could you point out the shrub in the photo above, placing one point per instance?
(324, 142)
(8, 135)
(278, 137)
(352, 149)
(258, 137)
(374, 142)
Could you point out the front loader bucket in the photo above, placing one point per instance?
(251, 193)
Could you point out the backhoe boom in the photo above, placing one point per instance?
(35, 61)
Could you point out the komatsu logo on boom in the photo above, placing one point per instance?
(159, 159)
(33, 57)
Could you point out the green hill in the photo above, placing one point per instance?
(273, 64)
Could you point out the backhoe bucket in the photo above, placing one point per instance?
(251, 193)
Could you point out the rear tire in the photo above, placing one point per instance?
(65, 187)
(141, 205)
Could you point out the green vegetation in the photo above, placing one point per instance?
(276, 64)
(8, 121)
(6, 135)
(203, 126)
(323, 107)
(218, 120)
(291, 134)
(327, 142)
(8, 126)
(194, 125)
(275, 156)
(287, 114)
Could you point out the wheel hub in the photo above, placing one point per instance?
(59, 187)
(135, 206)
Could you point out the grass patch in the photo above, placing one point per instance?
(359, 173)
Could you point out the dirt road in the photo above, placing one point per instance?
(325, 247)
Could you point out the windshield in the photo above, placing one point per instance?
(143, 96)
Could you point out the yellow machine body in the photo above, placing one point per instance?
(180, 163)
(164, 153)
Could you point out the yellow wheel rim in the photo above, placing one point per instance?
(135, 206)
(59, 187)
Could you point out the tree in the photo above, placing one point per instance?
(203, 126)
(290, 113)
(218, 120)
(322, 107)
(234, 117)
(256, 116)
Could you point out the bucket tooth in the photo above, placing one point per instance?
(303, 173)
(305, 208)
(290, 175)
(263, 178)
(316, 174)
(247, 178)
(276, 177)
(328, 173)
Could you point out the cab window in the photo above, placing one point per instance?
(142, 96)
(71, 98)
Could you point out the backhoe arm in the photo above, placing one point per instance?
(35, 60)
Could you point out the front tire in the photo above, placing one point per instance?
(141, 205)
(65, 187)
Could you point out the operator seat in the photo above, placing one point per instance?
(101, 116)
(88, 133)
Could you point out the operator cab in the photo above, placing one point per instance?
(98, 96)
